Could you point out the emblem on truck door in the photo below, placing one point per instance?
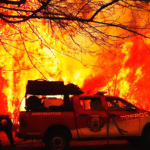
(95, 123)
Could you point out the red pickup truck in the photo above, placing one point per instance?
(80, 117)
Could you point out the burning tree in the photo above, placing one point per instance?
(86, 42)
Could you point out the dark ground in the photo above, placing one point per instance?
(75, 145)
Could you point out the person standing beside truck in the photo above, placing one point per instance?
(6, 126)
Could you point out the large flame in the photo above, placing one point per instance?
(26, 55)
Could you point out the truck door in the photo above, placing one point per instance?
(91, 118)
(125, 117)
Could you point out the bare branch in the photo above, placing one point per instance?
(13, 2)
(103, 7)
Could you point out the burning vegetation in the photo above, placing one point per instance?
(98, 45)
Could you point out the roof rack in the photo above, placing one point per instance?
(43, 87)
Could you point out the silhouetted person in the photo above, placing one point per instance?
(34, 103)
(6, 126)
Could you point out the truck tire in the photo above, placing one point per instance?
(134, 141)
(145, 140)
(57, 140)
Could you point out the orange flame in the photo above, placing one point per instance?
(124, 72)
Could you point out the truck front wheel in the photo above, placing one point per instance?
(134, 141)
(146, 137)
(57, 140)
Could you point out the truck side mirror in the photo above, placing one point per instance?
(131, 108)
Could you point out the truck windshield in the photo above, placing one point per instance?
(118, 104)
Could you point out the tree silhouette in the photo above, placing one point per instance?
(95, 18)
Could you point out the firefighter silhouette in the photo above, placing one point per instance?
(95, 123)
(6, 126)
